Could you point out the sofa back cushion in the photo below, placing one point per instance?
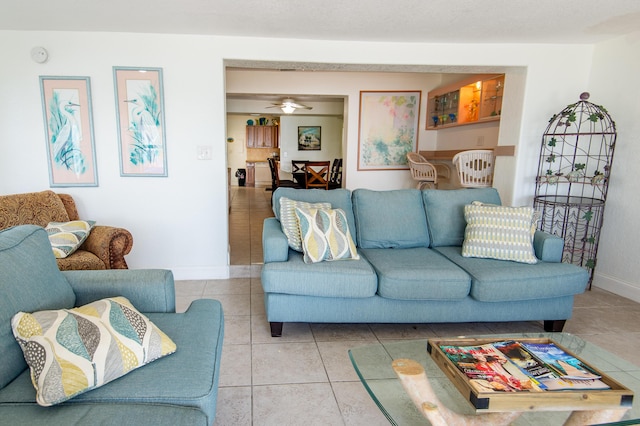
(390, 219)
(30, 281)
(338, 198)
(445, 212)
(33, 208)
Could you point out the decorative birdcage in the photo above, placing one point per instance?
(573, 178)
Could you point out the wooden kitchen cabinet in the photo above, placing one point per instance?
(262, 136)
(477, 99)
(251, 174)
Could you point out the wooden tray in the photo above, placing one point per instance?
(616, 397)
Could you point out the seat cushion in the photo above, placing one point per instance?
(417, 274)
(502, 280)
(81, 260)
(390, 219)
(188, 378)
(352, 278)
(445, 212)
(28, 266)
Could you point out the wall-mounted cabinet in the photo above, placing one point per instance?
(474, 100)
(262, 136)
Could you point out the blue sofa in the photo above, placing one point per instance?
(178, 389)
(411, 269)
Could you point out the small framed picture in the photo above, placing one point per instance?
(309, 138)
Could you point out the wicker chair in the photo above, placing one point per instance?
(475, 168)
(423, 172)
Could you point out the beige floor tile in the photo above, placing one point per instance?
(402, 331)
(190, 287)
(234, 406)
(257, 305)
(183, 302)
(335, 357)
(292, 332)
(333, 332)
(279, 363)
(462, 329)
(235, 368)
(234, 304)
(311, 404)
(237, 329)
(624, 345)
(356, 406)
(229, 286)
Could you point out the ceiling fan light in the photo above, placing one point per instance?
(288, 109)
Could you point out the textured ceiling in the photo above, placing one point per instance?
(433, 21)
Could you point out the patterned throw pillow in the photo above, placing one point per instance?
(66, 237)
(72, 351)
(499, 232)
(289, 221)
(325, 235)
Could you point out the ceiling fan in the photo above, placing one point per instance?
(288, 105)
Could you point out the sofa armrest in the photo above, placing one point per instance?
(275, 247)
(548, 247)
(110, 244)
(149, 290)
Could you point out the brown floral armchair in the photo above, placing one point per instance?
(105, 247)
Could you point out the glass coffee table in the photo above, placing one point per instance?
(373, 365)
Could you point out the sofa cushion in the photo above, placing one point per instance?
(28, 266)
(72, 351)
(338, 198)
(390, 219)
(445, 212)
(325, 235)
(188, 378)
(499, 232)
(289, 220)
(67, 237)
(417, 274)
(502, 281)
(355, 278)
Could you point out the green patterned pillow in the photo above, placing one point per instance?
(499, 232)
(289, 221)
(325, 235)
(72, 351)
(66, 237)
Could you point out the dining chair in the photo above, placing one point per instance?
(335, 177)
(475, 168)
(298, 171)
(423, 172)
(317, 174)
(276, 182)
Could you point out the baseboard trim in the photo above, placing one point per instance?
(617, 286)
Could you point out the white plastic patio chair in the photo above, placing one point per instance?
(475, 168)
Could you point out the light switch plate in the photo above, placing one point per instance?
(204, 152)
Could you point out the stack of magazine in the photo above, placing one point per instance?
(512, 366)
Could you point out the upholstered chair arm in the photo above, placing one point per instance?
(149, 290)
(110, 244)
(548, 247)
(275, 247)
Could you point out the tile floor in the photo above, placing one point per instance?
(305, 376)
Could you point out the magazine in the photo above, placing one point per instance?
(566, 366)
(488, 369)
(512, 366)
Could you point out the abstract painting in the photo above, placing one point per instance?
(66, 105)
(388, 129)
(140, 114)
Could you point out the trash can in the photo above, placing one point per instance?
(241, 174)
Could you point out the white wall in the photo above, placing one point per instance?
(180, 222)
(616, 67)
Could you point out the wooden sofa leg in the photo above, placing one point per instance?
(276, 329)
(555, 326)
